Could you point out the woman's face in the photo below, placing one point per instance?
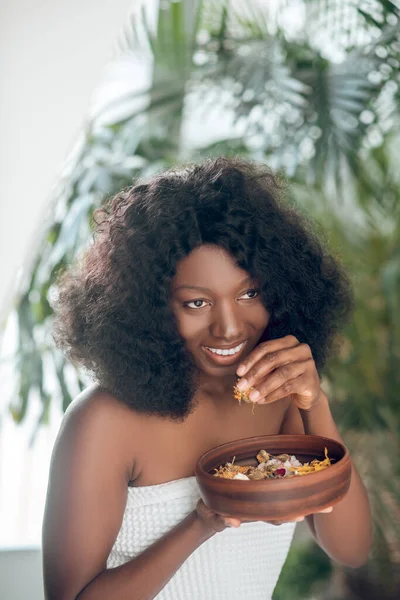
(218, 309)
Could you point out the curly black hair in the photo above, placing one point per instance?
(113, 314)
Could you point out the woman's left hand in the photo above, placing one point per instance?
(280, 368)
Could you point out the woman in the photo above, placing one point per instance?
(197, 278)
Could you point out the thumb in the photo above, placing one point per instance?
(230, 522)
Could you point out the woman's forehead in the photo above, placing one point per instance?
(209, 267)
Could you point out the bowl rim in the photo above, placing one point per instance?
(201, 473)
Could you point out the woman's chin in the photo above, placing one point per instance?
(217, 372)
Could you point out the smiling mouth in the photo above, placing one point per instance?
(226, 351)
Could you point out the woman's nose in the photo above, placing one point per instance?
(226, 323)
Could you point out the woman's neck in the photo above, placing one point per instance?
(215, 387)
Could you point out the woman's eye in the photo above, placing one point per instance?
(250, 294)
(195, 304)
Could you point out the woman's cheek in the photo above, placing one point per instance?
(190, 327)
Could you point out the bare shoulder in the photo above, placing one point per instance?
(90, 469)
(97, 415)
(95, 403)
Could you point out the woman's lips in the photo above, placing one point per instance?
(224, 359)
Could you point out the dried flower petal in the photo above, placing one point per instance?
(270, 466)
(262, 456)
(280, 472)
(241, 476)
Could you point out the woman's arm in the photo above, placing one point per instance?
(144, 576)
(345, 533)
(283, 368)
(87, 492)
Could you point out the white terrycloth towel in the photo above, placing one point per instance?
(235, 564)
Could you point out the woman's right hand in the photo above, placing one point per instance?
(216, 522)
(213, 521)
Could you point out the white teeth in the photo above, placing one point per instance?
(230, 352)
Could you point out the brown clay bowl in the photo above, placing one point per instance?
(274, 500)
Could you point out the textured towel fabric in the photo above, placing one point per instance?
(232, 565)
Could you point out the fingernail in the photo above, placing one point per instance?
(299, 519)
(242, 385)
(254, 394)
(241, 370)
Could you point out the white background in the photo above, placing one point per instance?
(52, 54)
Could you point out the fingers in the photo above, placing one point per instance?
(267, 348)
(287, 379)
(324, 510)
(218, 523)
(215, 521)
(301, 386)
(277, 523)
(301, 518)
(271, 361)
(229, 522)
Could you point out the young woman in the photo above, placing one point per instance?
(198, 278)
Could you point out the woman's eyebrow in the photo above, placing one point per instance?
(203, 289)
(191, 287)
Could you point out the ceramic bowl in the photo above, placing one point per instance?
(274, 500)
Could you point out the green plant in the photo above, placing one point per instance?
(305, 569)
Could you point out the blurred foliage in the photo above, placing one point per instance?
(304, 572)
(312, 89)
